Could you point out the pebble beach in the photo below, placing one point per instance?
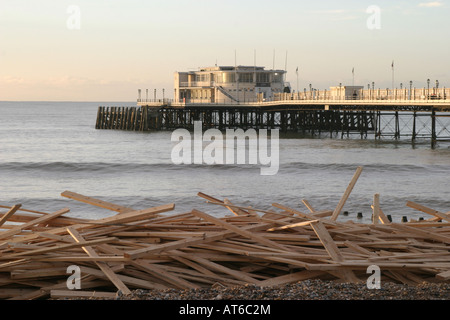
(304, 290)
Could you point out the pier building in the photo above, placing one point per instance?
(222, 84)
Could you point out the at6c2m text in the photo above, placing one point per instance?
(228, 309)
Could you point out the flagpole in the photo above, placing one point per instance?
(353, 82)
(393, 76)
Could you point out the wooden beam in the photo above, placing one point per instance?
(183, 243)
(160, 272)
(332, 249)
(290, 278)
(346, 194)
(131, 281)
(443, 275)
(293, 225)
(419, 207)
(19, 228)
(8, 214)
(32, 253)
(239, 231)
(96, 202)
(423, 233)
(102, 265)
(116, 219)
(218, 267)
(81, 294)
(376, 208)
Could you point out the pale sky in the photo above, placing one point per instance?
(87, 50)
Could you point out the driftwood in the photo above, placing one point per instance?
(155, 249)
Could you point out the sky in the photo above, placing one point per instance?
(105, 50)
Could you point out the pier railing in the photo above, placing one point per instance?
(424, 96)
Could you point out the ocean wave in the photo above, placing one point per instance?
(109, 167)
(373, 167)
(112, 167)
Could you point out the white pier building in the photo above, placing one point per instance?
(225, 84)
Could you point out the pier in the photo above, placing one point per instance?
(381, 118)
(226, 97)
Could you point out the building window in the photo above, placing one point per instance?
(262, 77)
(246, 77)
(202, 77)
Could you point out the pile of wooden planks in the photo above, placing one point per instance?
(156, 249)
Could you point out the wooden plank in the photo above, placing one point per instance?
(304, 215)
(24, 210)
(445, 276)
(346, 194)
(131, 281)
(327, 241)
(376, 208)
(83, 259)
(383, 218)
(114, 220)
(239, 231)
(419, 207)
(20, 228)
(81, 294)
(96, 202)
(102, 265)
(159, 272)
(291, 278)
(58, 221)
(294, 237)
(308, 205)
(236, 211)
(6, 293)
(358, 248)
(48, 272)
(191, 264)
(332, 249)
(32, 253)
(183, 243)
(8, 214)
(421, 232)
(293, 225)
(218, 267)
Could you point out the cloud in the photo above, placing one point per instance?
(433, 4)
(336, 11)
(12, 80)
(337, 14)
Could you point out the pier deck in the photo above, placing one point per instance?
(396, 118)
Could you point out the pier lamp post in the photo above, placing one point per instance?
(340, 90)
(163, 95)
(437, 88)
(410, 89)
(428, 91)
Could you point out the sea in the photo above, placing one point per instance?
(47, 148)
